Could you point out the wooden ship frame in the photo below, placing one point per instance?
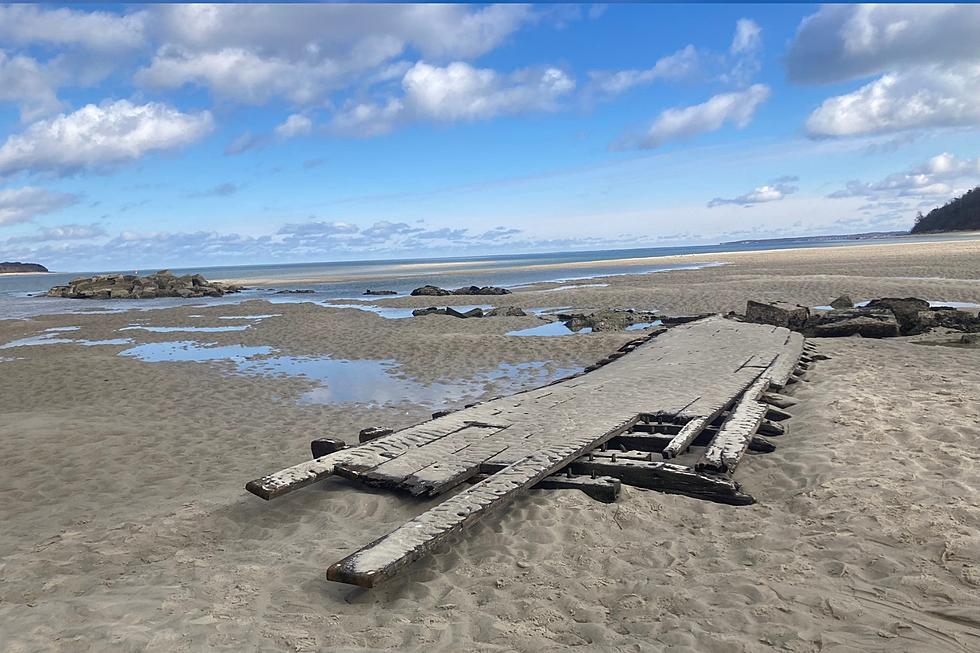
(711, 384)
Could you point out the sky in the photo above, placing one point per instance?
(134, 136)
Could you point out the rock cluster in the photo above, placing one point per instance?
(879, 318)
(503, 311)
(436, 291)
(7, 267)
(606, 320)
(380, 292)
(129, 286)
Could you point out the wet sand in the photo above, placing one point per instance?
(125, 526)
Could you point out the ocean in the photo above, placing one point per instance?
(349, 279)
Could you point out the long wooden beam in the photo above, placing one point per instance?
(385, 556)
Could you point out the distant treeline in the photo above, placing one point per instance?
(961, 214)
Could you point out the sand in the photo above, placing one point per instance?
(125, 526)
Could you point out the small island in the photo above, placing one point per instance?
(127, 286)
(8, 267)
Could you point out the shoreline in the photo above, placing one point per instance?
(675, 259)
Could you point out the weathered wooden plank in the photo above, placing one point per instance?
(782, 369)
(728, 447)
(373, 433)
(386, 556)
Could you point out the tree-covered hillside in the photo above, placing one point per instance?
(961, 214)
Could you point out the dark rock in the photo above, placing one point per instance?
(865, 326)
(303, 291)
(478, 290)
(380, 292)
(9, 267)
(372, 433)
(674, 320)
(430, 291)
(844, 301)
(792, 316)
(505, 311)
(906, 312)
(432, 310)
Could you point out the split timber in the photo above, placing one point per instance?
(703, 383)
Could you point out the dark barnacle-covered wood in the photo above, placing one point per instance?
(323, 446)
(372, 432)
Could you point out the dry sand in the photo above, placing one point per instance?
(125, 528)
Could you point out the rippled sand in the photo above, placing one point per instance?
(125, 526)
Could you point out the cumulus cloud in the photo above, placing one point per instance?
(937, 177)
(302, 52)
(736, 108)
(96, 137)
(844, 42)
(26, 25)
(916, 98)
(457, 92)
(295, 125)
(772, 192)
(29, 83)
(24, 204)
(610, 83)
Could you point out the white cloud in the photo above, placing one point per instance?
(461, 92)
(843, 42)
(96, 137)
(64, 232)
(774, 191)
(680, 64)
(736, 108)
(937, 177)
(303, 52)
(24, 204)
(914, 99)
(457, 92)
(26, 25)
(748, 37)
(295, 125)
(29, 83)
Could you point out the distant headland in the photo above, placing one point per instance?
(10, 268)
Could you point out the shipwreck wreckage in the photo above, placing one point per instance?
(704, 390)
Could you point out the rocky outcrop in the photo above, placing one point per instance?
(844, 301)
(380, 292)
(129, 286)
(435, 291)
(504, 311)
(8, 267)
(783, 314)
(301, 291)
(606, 320)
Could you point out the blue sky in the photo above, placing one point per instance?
(143, 135)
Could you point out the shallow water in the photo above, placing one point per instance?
(49, 338)
(368, 381)
(549, 329)
(183, 329)
(931, 303)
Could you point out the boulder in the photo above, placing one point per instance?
(864, 326)
(478, 290)
(380, 292)
(302, 291)
(505, 311)
(792, 316)
(430, 291)
(906, 312)
(844, 301)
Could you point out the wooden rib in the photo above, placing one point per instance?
(386, 556)
(782, 369)
(680, 442)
